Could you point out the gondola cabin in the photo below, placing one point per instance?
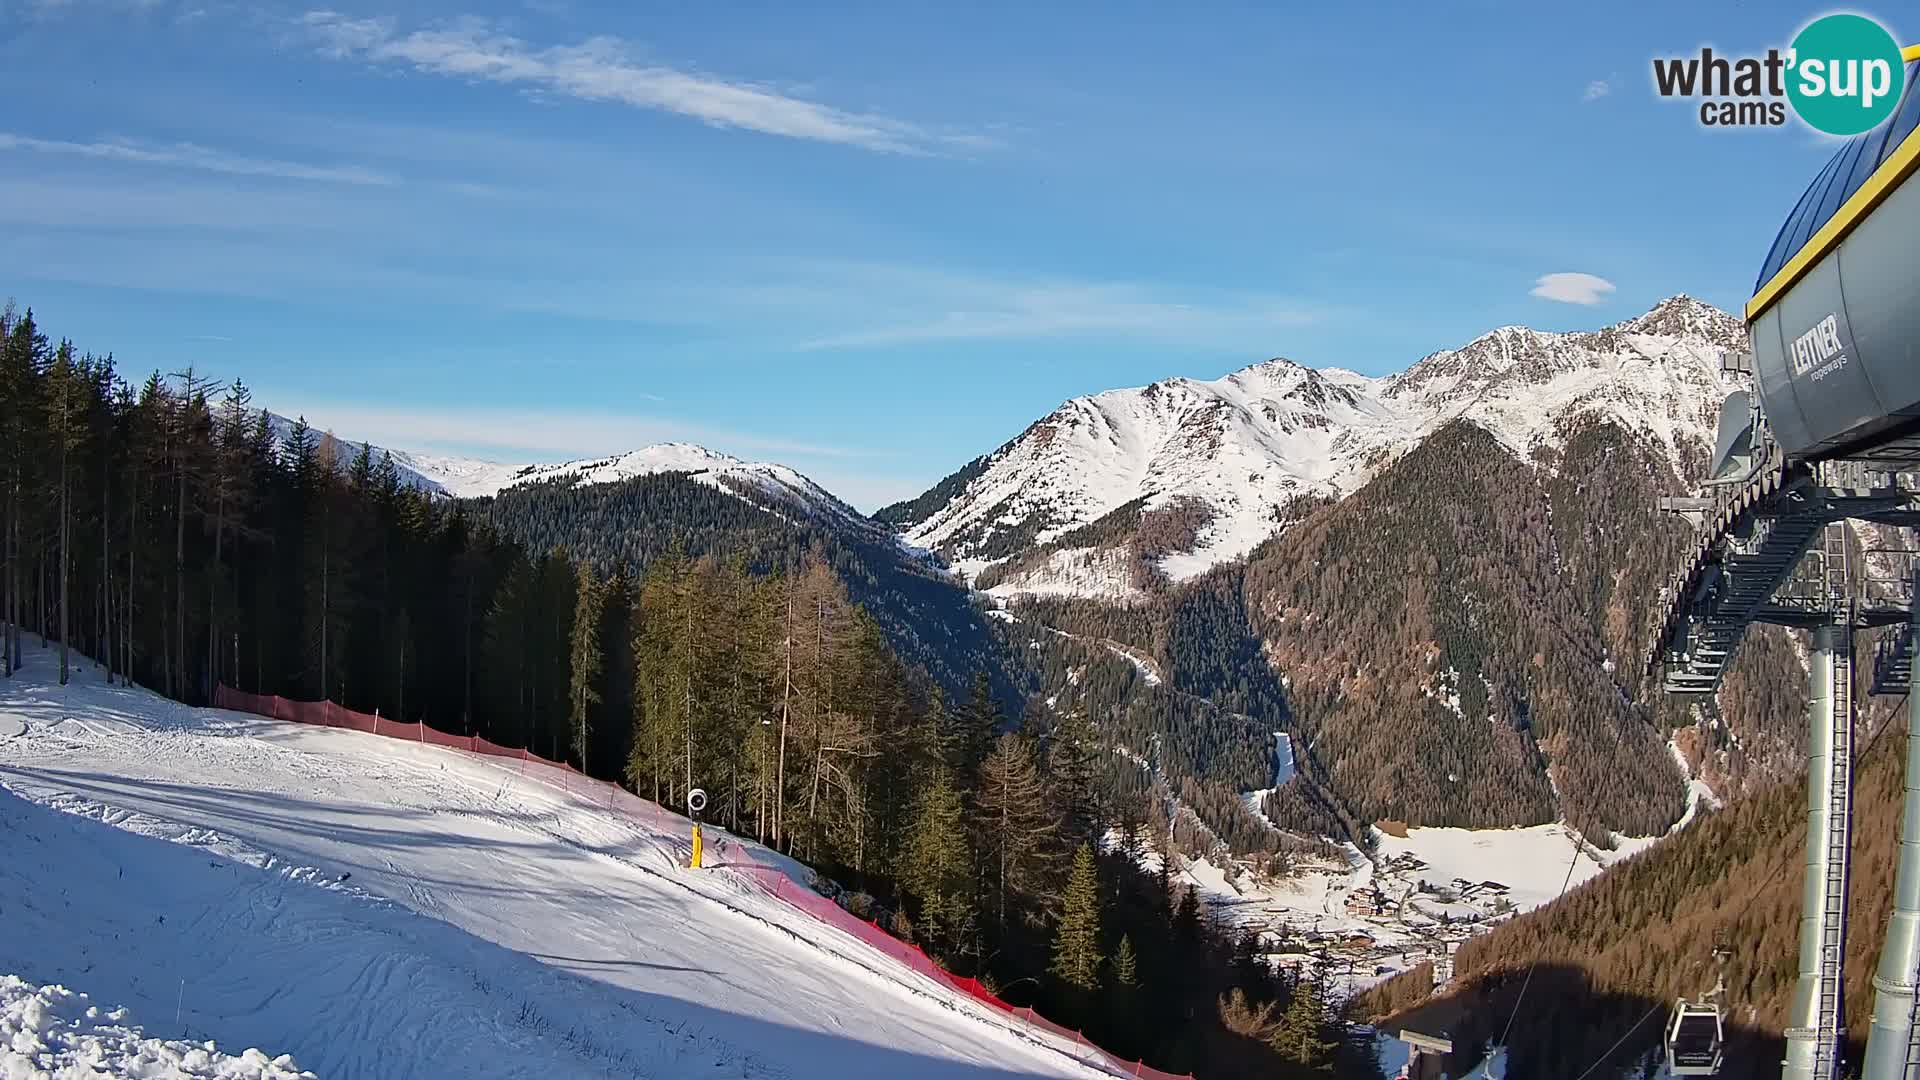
(1695, 1040)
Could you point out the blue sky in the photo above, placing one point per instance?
(871, 241)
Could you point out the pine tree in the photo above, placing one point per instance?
(1076, 944)
(973, 728)
(1073, 771)
(1018, 837)
(938, 870)
(1302, 1036)
(1125, 966)
(65, 407)
(585, 692)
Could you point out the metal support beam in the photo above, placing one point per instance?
(1893, 1044)
(1814, 1032)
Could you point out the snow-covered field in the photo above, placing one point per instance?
(379, 908)
(1420, 894)
(1532, 862)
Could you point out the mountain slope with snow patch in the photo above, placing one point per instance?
(1239, 453)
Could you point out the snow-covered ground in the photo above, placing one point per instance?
(51, 1031)
(1531, 862)
(380, 908)
(1364, 919)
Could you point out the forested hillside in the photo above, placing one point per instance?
(930, 619)
(1458, 643)
(1464, 637)
(1616, 952)
(161, 534)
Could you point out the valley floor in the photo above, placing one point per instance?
(378, 908)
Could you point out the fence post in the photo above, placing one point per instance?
(376, 719)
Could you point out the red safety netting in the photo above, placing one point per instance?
(441, 738)
(757, 868)
(482, 746)
(909, 955)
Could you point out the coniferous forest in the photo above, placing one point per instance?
(165, 531)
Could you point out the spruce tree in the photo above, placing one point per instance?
(1073, 769)
(65, 430)
(972, 728)
(1301, 1036)
(938, 869)
(1126, 972)
(1076, 944)
(585, 691)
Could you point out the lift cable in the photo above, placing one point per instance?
(1891, 722)
(1504, 1032)
(1608, 1052)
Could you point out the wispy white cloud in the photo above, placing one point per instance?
(601, 68)
(1596, 90)
(986, 309)
(191, 156)
(1572, 288)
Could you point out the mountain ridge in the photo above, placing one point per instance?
(1240, 449)
(766, 485)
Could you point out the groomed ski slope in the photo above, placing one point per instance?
(379, 908)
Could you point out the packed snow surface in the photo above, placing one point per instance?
(378, 908)
(53, 1032)
(1533, 862)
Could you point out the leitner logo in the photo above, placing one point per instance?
(1842, 75)
(1819, 348)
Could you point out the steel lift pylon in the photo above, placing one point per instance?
(1775, 550)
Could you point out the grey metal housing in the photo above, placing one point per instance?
(1820, 402)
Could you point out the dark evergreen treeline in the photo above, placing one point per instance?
(929, 619)
(164, 533)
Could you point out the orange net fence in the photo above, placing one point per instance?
(759, 867)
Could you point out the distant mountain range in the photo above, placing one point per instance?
(1237, 455)
(765, 485)
(1466, 611)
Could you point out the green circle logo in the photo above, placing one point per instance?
(1845, 74)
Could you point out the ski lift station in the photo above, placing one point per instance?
(1830, 434)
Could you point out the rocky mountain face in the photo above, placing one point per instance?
(1195, 473)
(1449, 575)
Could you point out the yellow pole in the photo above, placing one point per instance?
(696, 846)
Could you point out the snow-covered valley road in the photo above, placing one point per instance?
(383, 909)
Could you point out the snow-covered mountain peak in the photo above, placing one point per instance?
(1694, 321)
(765, 484)
(768, 485)
(1234, 453)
